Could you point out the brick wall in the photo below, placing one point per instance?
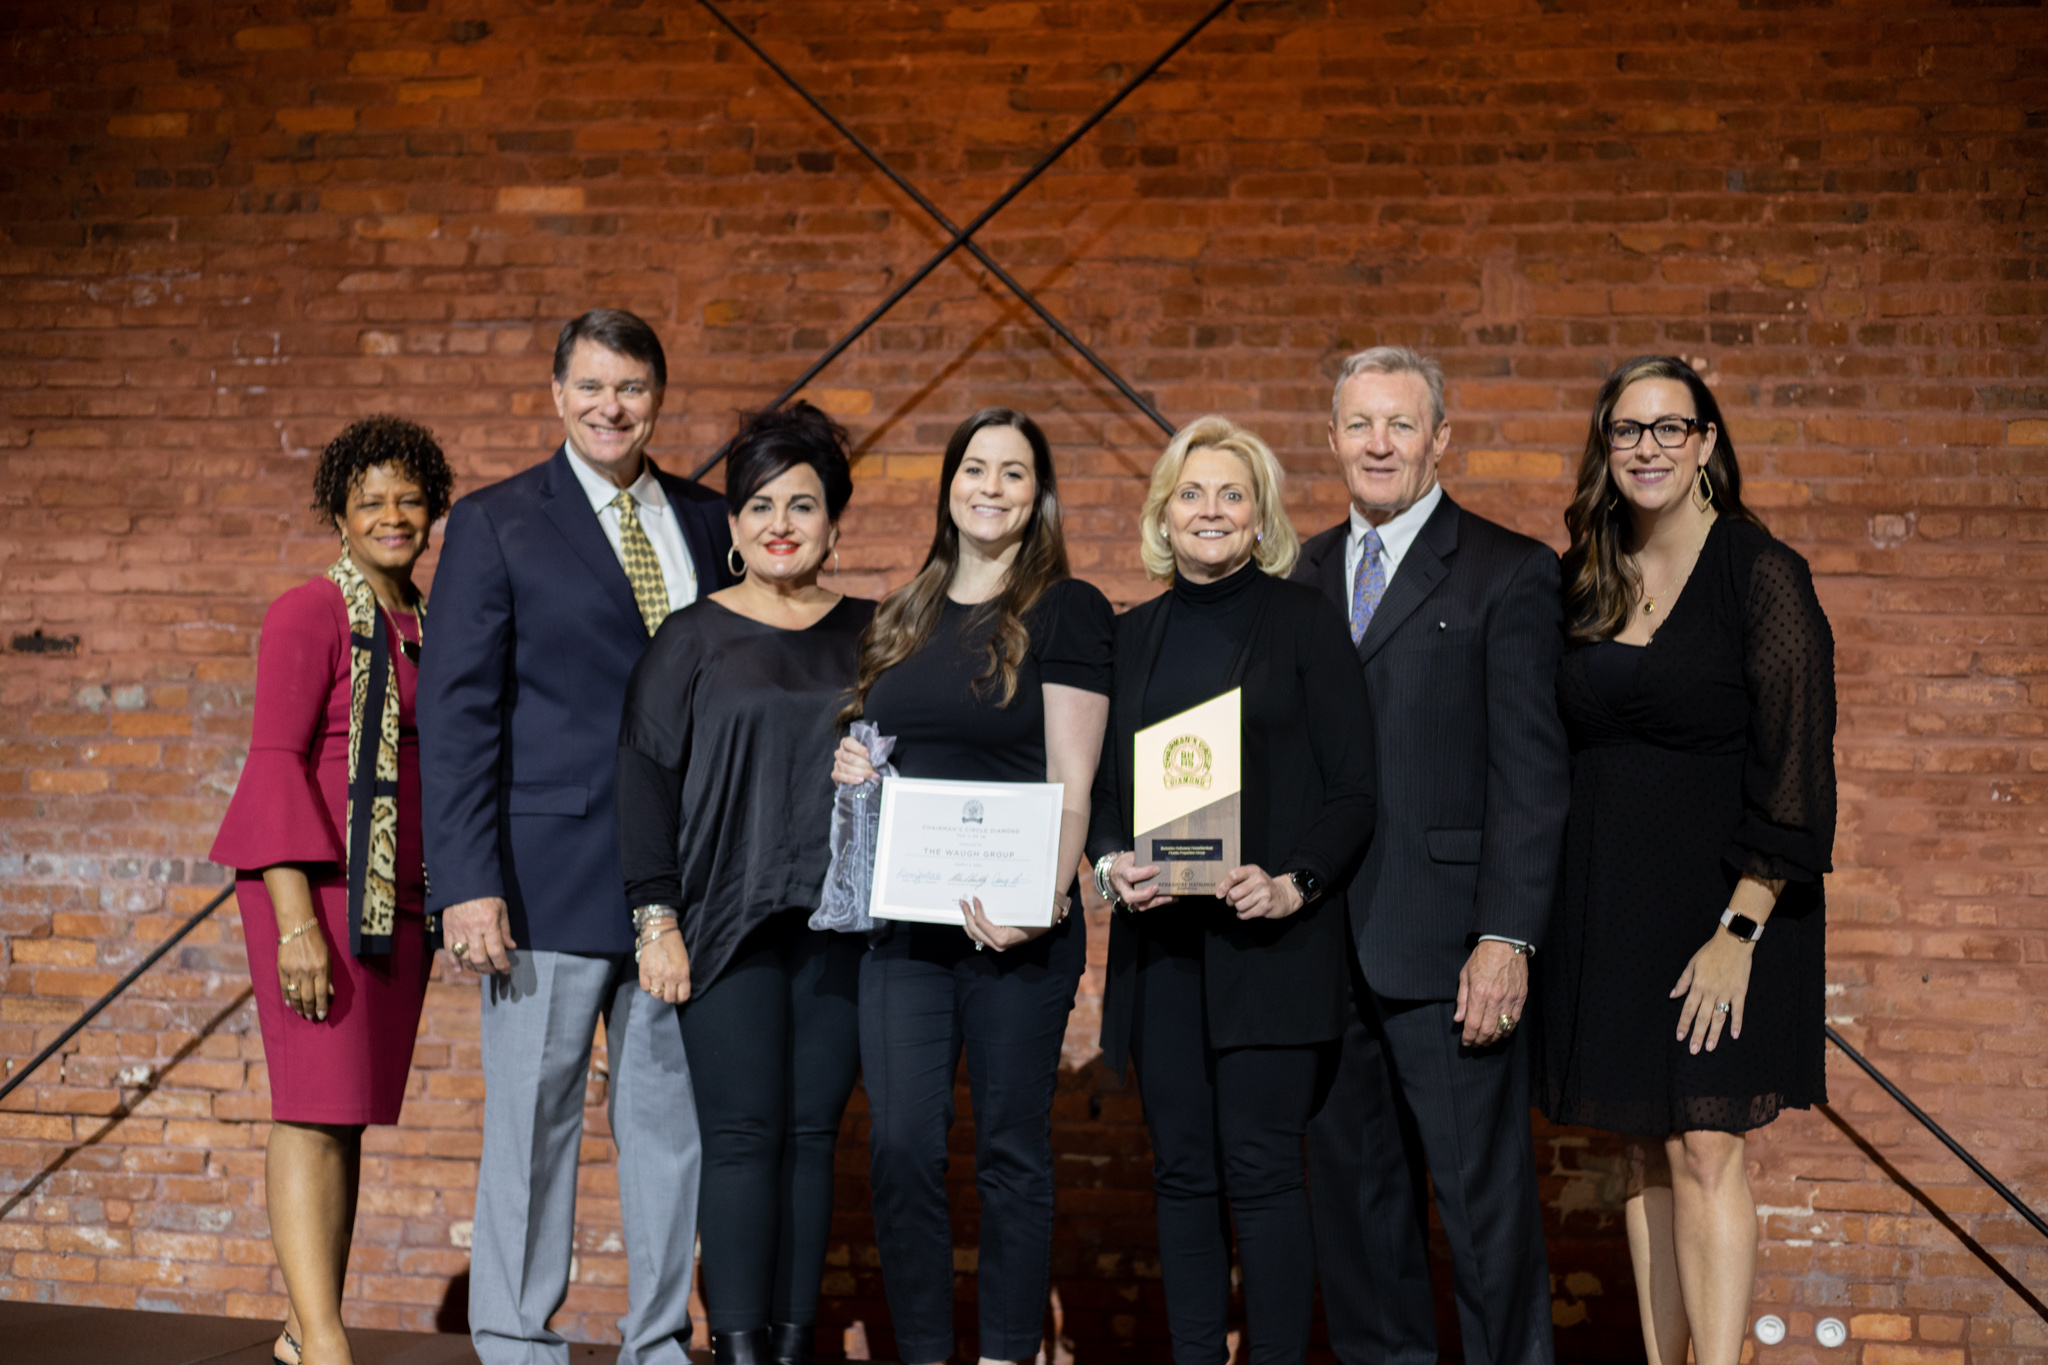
(225, 229)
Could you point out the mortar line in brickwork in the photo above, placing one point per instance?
(938, 216)
(1977, 1167)
(123, 984)
(980, 220)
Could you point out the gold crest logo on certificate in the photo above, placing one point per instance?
(1187, 779)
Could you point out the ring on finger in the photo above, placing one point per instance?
(1723, 1008)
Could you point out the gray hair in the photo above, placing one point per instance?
(1393, 360)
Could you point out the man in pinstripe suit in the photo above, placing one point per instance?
(1457, 624)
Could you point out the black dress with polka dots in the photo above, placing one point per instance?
(1702, 756)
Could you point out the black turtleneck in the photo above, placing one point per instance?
(1206, 625)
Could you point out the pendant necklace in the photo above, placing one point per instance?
(1649, 599)
(409, 648)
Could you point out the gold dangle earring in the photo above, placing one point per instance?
(1703, 490)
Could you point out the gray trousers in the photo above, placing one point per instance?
(538, 1024)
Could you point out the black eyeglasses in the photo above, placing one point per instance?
(1670, 432)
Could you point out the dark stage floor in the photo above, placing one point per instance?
(54, 1334)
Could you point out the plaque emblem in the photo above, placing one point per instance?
(1188, 762)
(970, 814)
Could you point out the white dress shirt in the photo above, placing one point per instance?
(1396, 535)
(657, 519)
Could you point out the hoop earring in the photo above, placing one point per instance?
(1703, 489)
(738, 570)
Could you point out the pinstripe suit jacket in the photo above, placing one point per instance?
(1474, 778)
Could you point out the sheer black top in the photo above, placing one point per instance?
(1714, 759)
(725, 769)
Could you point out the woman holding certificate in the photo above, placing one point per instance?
(990, 666)
(723, 808)
(1239, 761)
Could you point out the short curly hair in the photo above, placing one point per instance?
(381, 439)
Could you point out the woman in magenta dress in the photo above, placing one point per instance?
(324, 834)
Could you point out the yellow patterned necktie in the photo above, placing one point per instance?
(643, 570)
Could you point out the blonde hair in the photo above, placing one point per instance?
(1277, 546)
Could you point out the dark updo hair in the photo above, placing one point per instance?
(778, 439)
(380, 440)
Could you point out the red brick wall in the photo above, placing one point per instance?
(227, 228)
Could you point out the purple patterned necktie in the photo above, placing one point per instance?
(1369, 586)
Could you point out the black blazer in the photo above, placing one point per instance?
(1474, 777)
(1307, 802)
(521, 687)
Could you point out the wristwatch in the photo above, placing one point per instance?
(1308, 885)
(1742, 926)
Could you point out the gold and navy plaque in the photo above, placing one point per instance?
(1185, 796)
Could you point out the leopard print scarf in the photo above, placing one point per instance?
(372, 763)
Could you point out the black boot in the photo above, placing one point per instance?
(790, 1344)
(740, 1348)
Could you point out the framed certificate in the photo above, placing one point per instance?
(941, 842)
(1186, 780)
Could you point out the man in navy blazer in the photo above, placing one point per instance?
(537, 625)
(1457, 625)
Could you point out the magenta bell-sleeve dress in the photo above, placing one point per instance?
(291, 806)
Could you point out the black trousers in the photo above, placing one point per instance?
(926, 999)
(1411, 1106)
(774, 1048)
(1225, 1125)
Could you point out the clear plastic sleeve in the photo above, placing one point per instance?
(856, 820)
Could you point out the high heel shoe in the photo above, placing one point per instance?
(789, 1343)
(740, 1348)
(291, 1341)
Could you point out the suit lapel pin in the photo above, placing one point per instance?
(1443, 625)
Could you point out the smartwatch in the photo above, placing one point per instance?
(1308, 885)
(1742, 926)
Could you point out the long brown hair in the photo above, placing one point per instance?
(904, 623)
(1600, 583)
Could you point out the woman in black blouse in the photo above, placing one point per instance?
(991, 665)
(723, 813)
(1231, 1003)
(1699, 696)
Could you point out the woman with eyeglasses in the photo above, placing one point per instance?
(1682, 984)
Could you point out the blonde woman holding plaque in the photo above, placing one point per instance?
(1229, 1003)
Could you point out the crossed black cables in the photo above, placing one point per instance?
(962, 236)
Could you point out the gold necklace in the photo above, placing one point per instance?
(1649, 598)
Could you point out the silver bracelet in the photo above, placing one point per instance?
(660, 931)
(644, 913)
(1103, 888)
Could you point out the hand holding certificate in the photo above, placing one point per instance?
(943, 845)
